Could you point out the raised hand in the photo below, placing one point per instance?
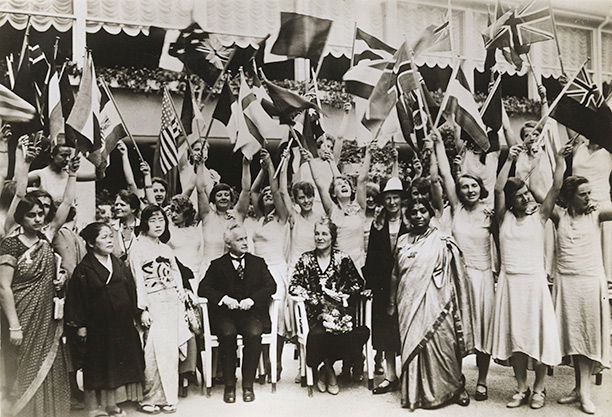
(542, 92)
(122, 148)
(145, 168)
(74, 164)
(5, 132)
(305, 154)
(264, 158)
(515, 152)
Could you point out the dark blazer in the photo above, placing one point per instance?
(221, 279)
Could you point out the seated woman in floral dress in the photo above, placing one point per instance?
(327, 279)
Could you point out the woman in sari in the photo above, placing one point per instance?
(429, 291)
(39, 385)
(326, 279)
(160, 294)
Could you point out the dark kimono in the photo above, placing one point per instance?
(107, 308)
(308, 281)
(377, 273)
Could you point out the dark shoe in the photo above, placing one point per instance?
(389, 387)
(481, 395)
(229, 395)
(518, 399)
(462, 398)
(378, 369)
(248, 395)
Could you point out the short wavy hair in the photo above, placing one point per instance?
(332, 186)
(569, 188)
(333, 229)
(182, 204)
(304, 186)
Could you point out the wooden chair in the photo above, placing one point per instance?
(211, 342)
(363, 317)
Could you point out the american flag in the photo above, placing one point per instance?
(168, 135)
(585, 91)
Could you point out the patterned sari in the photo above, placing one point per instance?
(40, 384)
(434, 318)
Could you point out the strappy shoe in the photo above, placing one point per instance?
(389, 387)
(97, 413)
(481, 395)
(538, 400)
(520, 398)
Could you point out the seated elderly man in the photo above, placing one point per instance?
(239, 288)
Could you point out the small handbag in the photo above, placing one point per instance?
(192, 316)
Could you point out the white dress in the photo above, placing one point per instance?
(270, 239)
(581, 294)
(596, 167)
(302, 235)
(186, 242)
(213, 228)
(350, 232)
(472, 232)
(524, 319)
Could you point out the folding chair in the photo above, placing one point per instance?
(363, 317)
(211, 342)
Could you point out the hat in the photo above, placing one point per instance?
(393, 185)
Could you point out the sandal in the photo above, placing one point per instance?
(97, 413)
(116, 412)
(149, 409)
(169, 409)
(481, 395)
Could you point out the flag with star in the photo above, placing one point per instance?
(168, 136)
(583, 109)
(201, 52)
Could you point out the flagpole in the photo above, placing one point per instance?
(166, 91)
(112, 99)
(223, 72)
(55, 50)
(446, 95)
(489, 96)
(554, 23)
(532, 71)
(353, 46)
(208, 129)
(24, 45)
(316, 88)
(450, 27)
(556, 101)
(416, 72)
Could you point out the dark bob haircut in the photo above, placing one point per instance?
(91, 232)
(510, 189)
(332, 187)
(147, 213)
(221, 187)
(27, 203)
(412, 202)
(569, 188)
(483, 191)
(38, 194)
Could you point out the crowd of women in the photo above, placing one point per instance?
(453, 258)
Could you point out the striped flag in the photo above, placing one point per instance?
(491, 113)
(251, 122)
(13, 108)
(361, 79)
(370, 48)
(192, 120)
(85, 115)
(226, 111)
(168, 135)
(461, 103)
(287, 102)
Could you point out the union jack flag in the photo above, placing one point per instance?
(202, 53)
(518, 28)
(585, 91)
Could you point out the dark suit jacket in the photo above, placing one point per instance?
(221, 279)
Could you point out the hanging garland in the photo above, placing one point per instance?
(331, 92)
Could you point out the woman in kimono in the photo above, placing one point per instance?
(101, 304)
(161, 297)
(326, 279)
(430, 294)
(28, 284)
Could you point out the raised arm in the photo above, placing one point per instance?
(542, 94)
(268, 167)
(24, 156)
(502, 178)
(283, 183)
(551, 197)
(437, 198)
(323, 188)
(444, 169)
(148, 184)
(5, 134)
(511, 138)
(127, 168)
(342, 131)
(202, 176)
(68, 198)
(242, 205)
(362, 178)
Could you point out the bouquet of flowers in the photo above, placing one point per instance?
(334, 320)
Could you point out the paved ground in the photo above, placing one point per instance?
(355, 400)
